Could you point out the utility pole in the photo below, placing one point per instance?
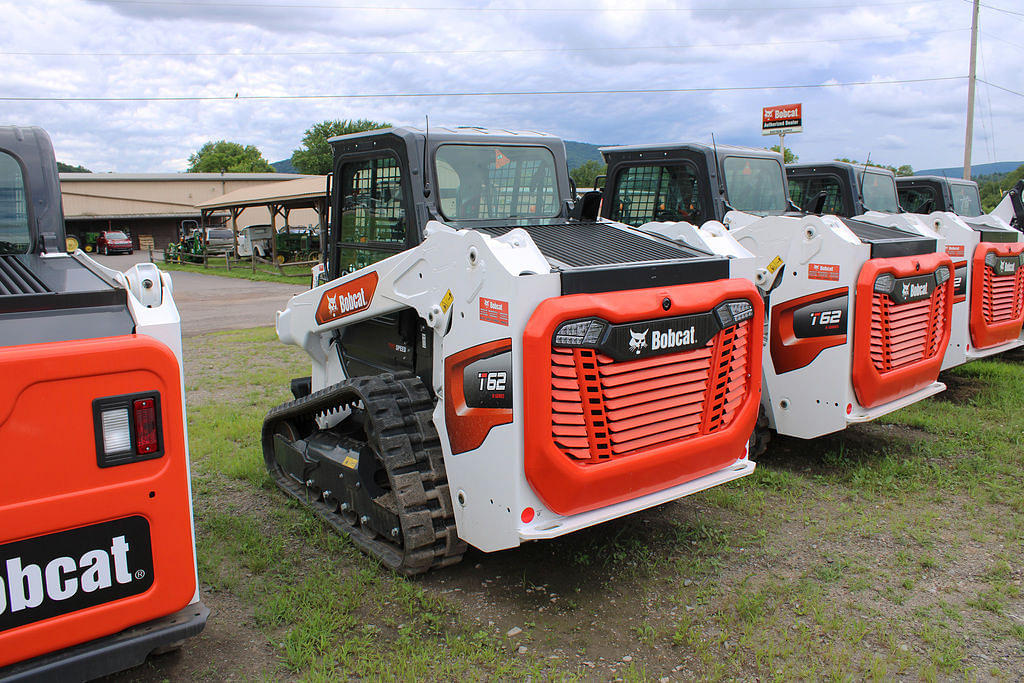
(970, 93)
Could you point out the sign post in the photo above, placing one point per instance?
(780, 120)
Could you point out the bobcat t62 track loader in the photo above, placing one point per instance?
(97, 559)
(857, 314)
(489, 370)
(988, 288)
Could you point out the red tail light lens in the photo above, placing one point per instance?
(146, 439)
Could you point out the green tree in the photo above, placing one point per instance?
(586, 173)
(68, 168)
(315, 155)
(228, 157)
(905, 169)
(992, 190)
(789, 157)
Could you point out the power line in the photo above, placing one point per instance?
(520, 10)
(516, 93)
(335, 53)
(1001, 9)
(1001, 40)
(999, 87)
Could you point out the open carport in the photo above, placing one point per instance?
(280, 199)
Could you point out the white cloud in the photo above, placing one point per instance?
(717, 45)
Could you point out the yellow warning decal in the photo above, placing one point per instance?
(447, 301)
(350, 462)
(774, 265)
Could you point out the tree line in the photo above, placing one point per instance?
(312, 158)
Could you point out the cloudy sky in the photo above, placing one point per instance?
(83, 70)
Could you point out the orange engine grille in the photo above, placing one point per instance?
(903, 334)
(1002, 296)
(603, 409)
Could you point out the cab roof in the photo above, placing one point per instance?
(935, 178)
(466, 134)
(856, 168)
(723, 150)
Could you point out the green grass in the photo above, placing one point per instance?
(894, 550)
(242, 271)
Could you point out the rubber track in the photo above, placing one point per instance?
(760, 437)
(401, 430)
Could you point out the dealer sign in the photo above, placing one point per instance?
(784, 118)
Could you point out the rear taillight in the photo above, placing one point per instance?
(127, 428)
(145, 426)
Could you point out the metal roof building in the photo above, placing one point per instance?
(155, 203)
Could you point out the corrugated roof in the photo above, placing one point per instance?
(291, 191)
(122, 177)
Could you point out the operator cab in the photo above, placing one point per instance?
(850, 189)
(927, 193)
(692, 182)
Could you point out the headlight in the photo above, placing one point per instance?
(580, 332)
(941, 275)
(731, 312)
(1021, 258)
(990, 259)
(885, 283)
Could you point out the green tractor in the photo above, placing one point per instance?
(191, 248)
(302, 244)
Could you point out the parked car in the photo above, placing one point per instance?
(114, 242)
(219, 241)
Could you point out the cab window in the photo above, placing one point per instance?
(920, 199)
(755, 185)
(14, 232)
(480, 182)
(802, 189)
(966, 200)
(879, 192)
(658, 193)
(372, 213)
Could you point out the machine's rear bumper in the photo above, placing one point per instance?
(548, 528)
(111, 654)
(975, 353)
(868, 414)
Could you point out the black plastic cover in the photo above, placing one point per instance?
(58, 299)
(643, 275)
(581, 243)
(888, 242)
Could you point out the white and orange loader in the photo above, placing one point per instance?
(504, 371)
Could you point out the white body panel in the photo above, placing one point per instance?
(490, 479)
(818, 398)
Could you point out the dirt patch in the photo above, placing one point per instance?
(960, 389)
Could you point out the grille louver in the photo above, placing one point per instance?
(903, 334)
(603, 409)
(16, 279)
(1002, 296)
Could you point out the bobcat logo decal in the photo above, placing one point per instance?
(353, 296)
(637, 341)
